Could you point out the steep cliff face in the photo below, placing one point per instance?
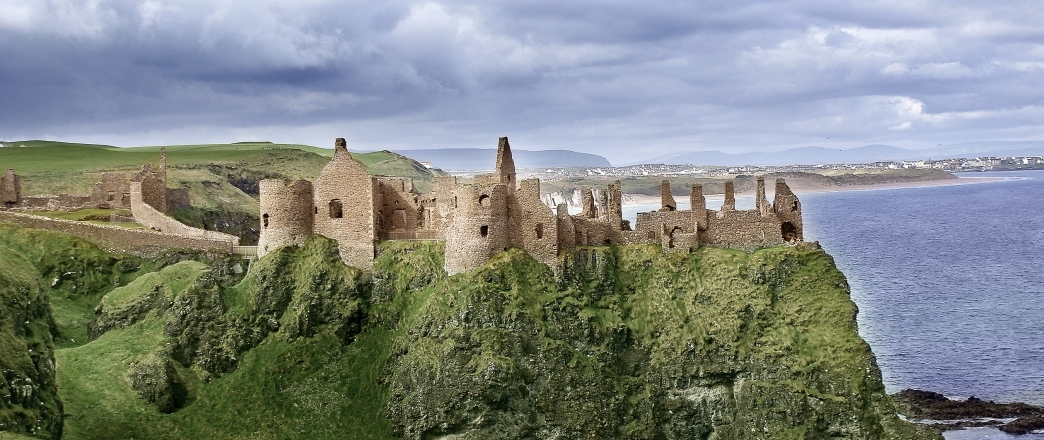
(630, 343)
(29, 401)
(620, 342)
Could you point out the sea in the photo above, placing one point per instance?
(949, 281)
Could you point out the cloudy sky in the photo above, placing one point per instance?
(628, 80)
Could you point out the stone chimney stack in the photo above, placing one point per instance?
(762, 202)
(667, 202)
(506, 164)
(340, 147)
(730, 197)
(698, 205)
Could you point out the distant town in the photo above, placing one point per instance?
(951, 165)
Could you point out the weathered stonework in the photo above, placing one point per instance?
(156, 220)
(10, 189)
(117, 238)
(496, 212)
(112, 191)
(286, 214)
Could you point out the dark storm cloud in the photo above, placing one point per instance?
(625, 79)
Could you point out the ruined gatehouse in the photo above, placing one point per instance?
(496, 212)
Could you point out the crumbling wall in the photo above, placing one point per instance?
(153, 186)
(744, 230)
(667, 202)
(398, 206)
(345, 207)
(118, 239)
(287, 214)
(10, 189)
(505, 168)
(566, 229)
(649, 225)
(787, 208)
(111, 191)
(152, 218)
(535, 227)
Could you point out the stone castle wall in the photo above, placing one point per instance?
(118, 239)
(151, 217)
(112, 191)
(496, 212)
(534, 227)
(287, 214)
(345, 207)
(480, 228)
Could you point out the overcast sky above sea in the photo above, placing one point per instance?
(628, 80)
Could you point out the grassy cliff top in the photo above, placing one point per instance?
(618, 342)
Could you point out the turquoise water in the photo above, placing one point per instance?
(949, 281)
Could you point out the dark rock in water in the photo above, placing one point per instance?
(918, 404)
(929, 405)
(1024, 425)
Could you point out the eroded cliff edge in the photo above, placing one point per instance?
(625, 342)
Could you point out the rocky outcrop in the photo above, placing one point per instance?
(629, 343)
(29, 402)
(157, 381)
(946, 414)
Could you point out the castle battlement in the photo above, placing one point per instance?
(496, 212)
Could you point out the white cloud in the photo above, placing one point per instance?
(67, 18)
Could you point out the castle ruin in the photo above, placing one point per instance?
(496, 212)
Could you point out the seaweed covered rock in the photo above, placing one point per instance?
(29, 400)
(626, 342)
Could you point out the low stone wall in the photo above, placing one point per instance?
(153, 218)
(118, 239)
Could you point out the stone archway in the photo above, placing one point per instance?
(670, 239)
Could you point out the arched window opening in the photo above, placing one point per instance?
(264, 221)
(539, 230)
(484, 231)
(795, 207)
(484, 201)
(316, 209)
(335, 209)
(789, 232)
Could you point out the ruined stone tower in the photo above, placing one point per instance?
(480, 227)
(287, 214)
(787, 208)
(344, 207)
